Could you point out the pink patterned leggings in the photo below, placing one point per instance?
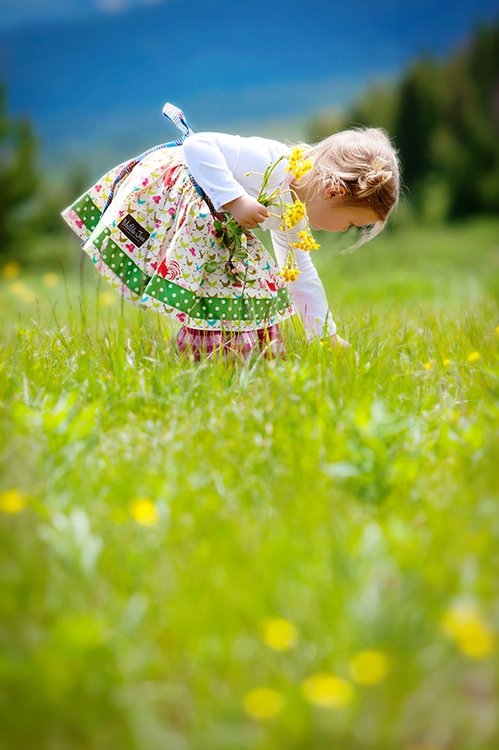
(201, 343)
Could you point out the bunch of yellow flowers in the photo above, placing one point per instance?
(289, 273)
(306, 241)
(293, 213)
(297, 164)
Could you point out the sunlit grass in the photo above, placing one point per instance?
(290, 554)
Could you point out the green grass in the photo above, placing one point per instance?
(357, 502)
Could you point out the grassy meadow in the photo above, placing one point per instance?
(277, 555)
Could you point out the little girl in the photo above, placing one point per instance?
(154, 228)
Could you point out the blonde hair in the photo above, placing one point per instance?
(364, 162)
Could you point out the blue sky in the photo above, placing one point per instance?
(15, 15)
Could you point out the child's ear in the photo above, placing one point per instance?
(334, 191)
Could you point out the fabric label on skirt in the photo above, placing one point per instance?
(133, 230)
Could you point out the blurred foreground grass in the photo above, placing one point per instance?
(298, 554)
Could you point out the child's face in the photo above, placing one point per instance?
(330, 214)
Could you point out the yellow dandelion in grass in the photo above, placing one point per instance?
(427, 365)
(50, 279)
(306, 241)
(144, 511)
(107, 298)
(464, 624)
(446, 362)
(263, 703)
(368, 667)
(11, 269)
(279, 634)
(473, 356)
(17, 287)
(327, 690)
(293, 213)
(297, 164)
(22, 291)
(12, 501)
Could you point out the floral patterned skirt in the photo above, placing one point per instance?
(151, 244)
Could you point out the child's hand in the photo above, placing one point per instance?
(247, 211)
(337, 341)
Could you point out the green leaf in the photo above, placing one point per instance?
(211, 265)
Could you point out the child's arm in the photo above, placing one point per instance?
(307, 291)
(210, 169)
(229, 168)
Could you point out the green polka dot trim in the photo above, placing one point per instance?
(87, 211)
(121, 264)
(217, 308)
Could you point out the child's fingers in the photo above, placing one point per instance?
(254, 221)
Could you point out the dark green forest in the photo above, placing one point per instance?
(442, 115)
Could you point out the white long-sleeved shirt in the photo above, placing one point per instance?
(219, 162)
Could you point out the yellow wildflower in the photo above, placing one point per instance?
(297, 164)
(293, 214)
(50, 279)
(296, 154)
(106, 298)
(465, 625)
(327, 690)
(11, 269)
(22, 291)
(144, 511)
(427, 365)
(306, 241)
(368, 667)
(497, 330)
(12, 501)
(279, 634)
(473, 356)
(446, 362)
(263, 703)
(289, 274)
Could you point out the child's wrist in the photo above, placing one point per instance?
(230, 205)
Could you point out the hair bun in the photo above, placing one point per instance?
(377, 176)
